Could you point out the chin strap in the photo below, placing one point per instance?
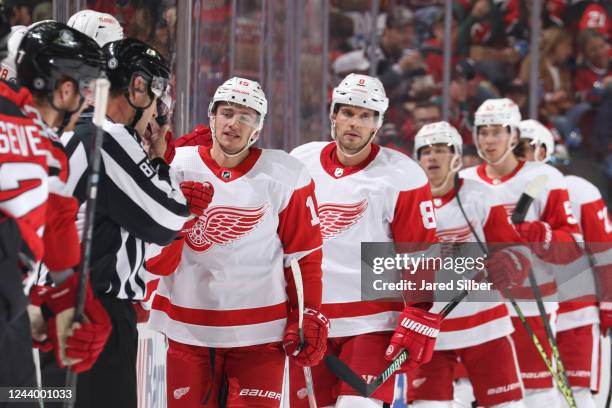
(509, 149)
(450, 177)
(250, 142)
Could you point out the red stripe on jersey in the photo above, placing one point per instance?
(151, 288)
(356, 309)
(220, 318)
(522, 293)
(300, 234)
(480, 318)
(29, 225)
(577, 304)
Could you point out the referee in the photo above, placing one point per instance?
(138, 203)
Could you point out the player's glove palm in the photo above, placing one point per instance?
(198, 195)
(416, 332)
(77, 345)
(507, 268)
(316, 329)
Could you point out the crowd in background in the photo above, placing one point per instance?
(490, 58)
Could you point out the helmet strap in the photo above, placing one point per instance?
(249, 143)
(509, 148)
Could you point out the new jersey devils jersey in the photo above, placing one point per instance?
(33, 171)
(551, 206)
(386, 198)
(231, 287)
(577, 292)
(473, 322)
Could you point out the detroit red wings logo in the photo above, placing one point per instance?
(337, 218)
(222, 225)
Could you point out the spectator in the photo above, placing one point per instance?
(593, 83)
(354, 62)
(518, 92)
(20, 11)
(433, 49)
(340, 32)
(556, 81)
(459, 109)
(423, 113)
(397, 57)
(481, 36)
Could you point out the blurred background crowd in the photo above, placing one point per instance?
(299, 50)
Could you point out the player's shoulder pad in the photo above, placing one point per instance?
(581, 190)
(556, 180)
(308, 149)
(470, 173)
(284, 168)
(481, 194)
(403, 171)
(182, 153)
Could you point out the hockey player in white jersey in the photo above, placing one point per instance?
(578, 324)
(230, 305)
(549, 225)
(367, 193)
(466, 213)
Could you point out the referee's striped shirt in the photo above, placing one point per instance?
(138, 202)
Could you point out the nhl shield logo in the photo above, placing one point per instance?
(226, 174)
(338, 172)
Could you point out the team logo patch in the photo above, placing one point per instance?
(337, 218)
(416, 383)
(222, 225)
(302, 393)
(338, 172)
(180, 392)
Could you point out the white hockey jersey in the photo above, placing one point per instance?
(551, 206)
(577, 293)
(473, 322)
(232, 287)
(386, 198)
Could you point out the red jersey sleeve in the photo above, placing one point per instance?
(597, 231)
(565, 229)
(414, 230)
(300, 235)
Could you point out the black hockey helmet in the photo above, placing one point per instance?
(51, 51)
(130, 57)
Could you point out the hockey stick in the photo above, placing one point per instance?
(609, 398)
(346, 374)
(101, 99)
(299, 288)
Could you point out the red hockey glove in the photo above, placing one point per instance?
(538, 234)
(416, 332)
(198, 195)
(316, 328)
(605, 316)
(77, 345)
(199, 136)
(507, 268)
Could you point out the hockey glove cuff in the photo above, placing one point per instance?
(507, 268)
(416, 332)
(316, 329)
(79, 344)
